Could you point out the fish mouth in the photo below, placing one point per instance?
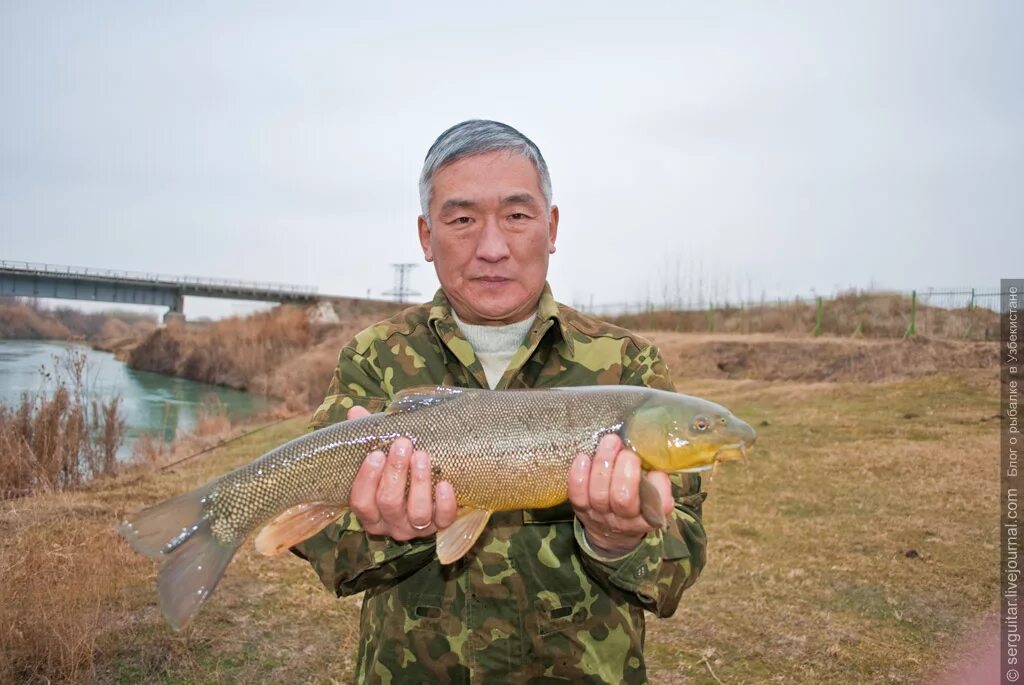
(734, 451)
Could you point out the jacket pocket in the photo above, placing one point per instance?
(558, 612)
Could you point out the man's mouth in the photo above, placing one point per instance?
(492, 279)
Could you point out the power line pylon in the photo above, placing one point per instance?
(401, 291)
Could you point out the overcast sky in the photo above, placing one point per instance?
(773, 147)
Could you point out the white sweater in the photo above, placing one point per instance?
(495, 345)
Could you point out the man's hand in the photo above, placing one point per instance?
(605, 492)
(379, 498)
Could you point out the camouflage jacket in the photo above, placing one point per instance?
(532, 602)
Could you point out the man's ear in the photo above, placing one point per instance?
(552, 228)
(423, 226)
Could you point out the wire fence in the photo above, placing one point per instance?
(962, 313)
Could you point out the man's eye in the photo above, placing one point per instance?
(463, 220)
(518, 216)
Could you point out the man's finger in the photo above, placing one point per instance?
(391, 492)
(363, 500)
(601, 473)
(356, 412)
(579, 482)
(661, 481)
(420, 507)
(445, 506)
(624, 490)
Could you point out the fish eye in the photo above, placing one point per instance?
(721, 420)
(701, 423)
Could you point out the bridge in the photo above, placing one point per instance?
(28, 279)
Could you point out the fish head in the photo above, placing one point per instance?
(673, 432)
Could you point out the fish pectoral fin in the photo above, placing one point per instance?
(296, 524)
(422, 396)
(650, 504)
(454, 541)
(698, 469)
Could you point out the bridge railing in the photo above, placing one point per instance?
(59, 270)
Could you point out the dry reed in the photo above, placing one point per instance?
(25, 319)
(61, 439)
(278, 353)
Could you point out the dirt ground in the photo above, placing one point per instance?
(808, 359)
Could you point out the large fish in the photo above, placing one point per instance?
(501, 450)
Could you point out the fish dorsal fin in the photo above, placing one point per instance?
(423, 396)
(454, 541)
(296, 524)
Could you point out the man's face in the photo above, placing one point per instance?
(489, 236)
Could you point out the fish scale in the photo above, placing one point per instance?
(500, 450)
(487, 445)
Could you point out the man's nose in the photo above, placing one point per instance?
(492, 246)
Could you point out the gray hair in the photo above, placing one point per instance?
(475, 137)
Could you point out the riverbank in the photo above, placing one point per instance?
(113, 330)
(287, 353)
(855, 547)
(153, 406)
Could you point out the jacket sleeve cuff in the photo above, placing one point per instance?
(382, 549)
(635, 571)
(349, 560)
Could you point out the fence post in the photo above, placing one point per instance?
(818, 316)
(912, 326)
(970, 317)
(711, 318)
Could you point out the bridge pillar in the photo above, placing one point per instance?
(176, 314)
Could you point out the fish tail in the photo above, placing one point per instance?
(178, 533)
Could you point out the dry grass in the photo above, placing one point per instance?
(281, 353)
(63, 568)
(826, 358)
(212, 420)
(25, 319)
(148, 450)
(278, 353)
(303, 379)
(20, 320)
(213, 428)
(860, 546)
(858, 314)
(808, 576)
(59, 439)
(234, 352)
(78, 605)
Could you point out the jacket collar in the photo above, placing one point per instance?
(441, 321)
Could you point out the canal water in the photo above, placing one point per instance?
(162, 406)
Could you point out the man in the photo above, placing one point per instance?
(544, 596)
